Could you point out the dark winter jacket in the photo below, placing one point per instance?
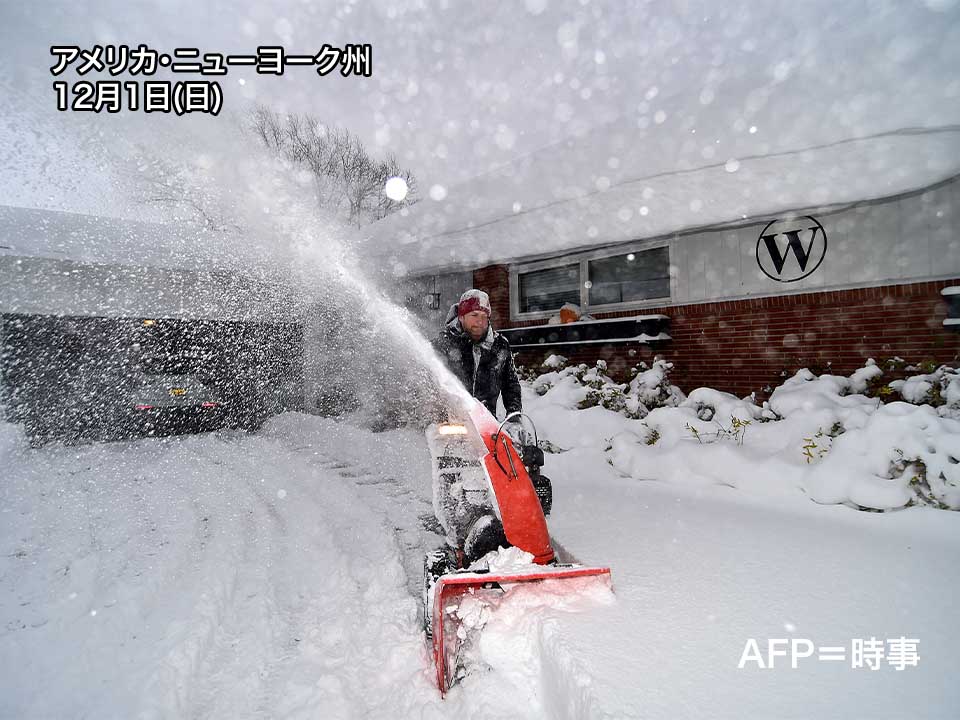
(492, 375)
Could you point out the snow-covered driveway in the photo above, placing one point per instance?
(276, 575)
(225, 575)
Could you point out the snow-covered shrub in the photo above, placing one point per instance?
(820, 442)
(564, 386)
(925, 383)
(553, 363)
(938, 387)
(832, 397)
(582, 386)
(709, 404)
(610, 396)
(593, 377)
(541, 386)
(902, 455)
(650, 435)
(951, 399)
(602, 390)
(651, 385)
(936, 494)
(819, 436)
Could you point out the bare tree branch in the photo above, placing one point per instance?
(347, 179)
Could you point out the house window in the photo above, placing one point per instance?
(546, 290)
(640, 275)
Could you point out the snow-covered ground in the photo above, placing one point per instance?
(277, 575)
(220, 575)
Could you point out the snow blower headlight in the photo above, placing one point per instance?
(452, 429)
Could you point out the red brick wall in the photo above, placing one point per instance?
(495, 281)
(743, 346)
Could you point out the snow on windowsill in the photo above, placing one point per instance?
(952, 290)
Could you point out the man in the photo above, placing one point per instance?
(480, 358)
(477, 355)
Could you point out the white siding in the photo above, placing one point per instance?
(940, 209)
(910, 238)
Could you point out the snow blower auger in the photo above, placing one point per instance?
(485, 500)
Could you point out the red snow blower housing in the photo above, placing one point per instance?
(484, 499)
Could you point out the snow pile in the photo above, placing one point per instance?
(709, 404)
(504, 560)
(825, 437)
(522, 642)
(523, 639)
(903, 455)
(11, 440)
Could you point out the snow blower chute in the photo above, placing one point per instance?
(485, 499)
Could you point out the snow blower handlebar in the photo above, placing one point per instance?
(519, 414)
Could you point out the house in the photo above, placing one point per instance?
(739, 269)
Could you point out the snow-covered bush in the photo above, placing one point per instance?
(903, 455)
(925, 383)
(819, 437)
(709, 404)
(880, 452)
(603, 391)
(583, 386)
(553, 363)
(866, 377)
(939, 388)
(610, 396)
(651, 386)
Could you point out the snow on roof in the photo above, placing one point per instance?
(31, 232)
(568, 197)
(54, 262)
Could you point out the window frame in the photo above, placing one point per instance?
(533, 267)
(583, 259)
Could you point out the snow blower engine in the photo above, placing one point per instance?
(487, 496)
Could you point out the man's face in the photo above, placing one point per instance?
(475, 323)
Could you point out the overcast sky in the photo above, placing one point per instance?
(460, 87)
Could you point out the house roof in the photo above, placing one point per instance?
(569, 197)
(53, 234)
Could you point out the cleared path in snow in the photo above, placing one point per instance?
(224, 575)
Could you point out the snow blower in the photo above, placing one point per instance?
(485, 500)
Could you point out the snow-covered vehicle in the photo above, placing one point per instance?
(160, 404)
(79, 378)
